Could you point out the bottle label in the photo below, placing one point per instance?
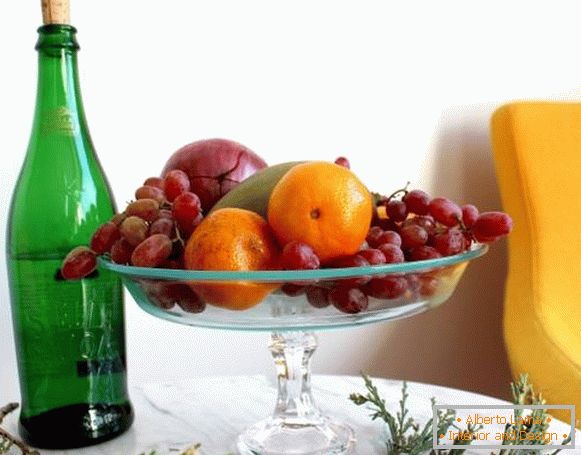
(59, 120)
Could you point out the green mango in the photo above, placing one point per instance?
(254, 192)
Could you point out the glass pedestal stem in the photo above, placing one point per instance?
(297, 426)
(292, 354)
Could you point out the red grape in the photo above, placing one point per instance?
(424, 221)
(79, 263)
(121, 252)
(157, 182)
(389, 237)
(385, 223)
(372, 236)
(152, 251)
(134, 230)
(162, 226)
(154, 291)
(186, 208)
(165, 213)
(342, 161)
(150, 192)
(417, 201)
(491, 225)
(299, 256)
(445, 211)
(292, 289)
(146, 209)
(167, 295)
(373, 256)
(389, 287)
(396, 210)
(392, 253)
(176, 182)
(351, 261)
(469, 215)
(184, 296)
(414, 282)
(450, 242)
(348, 299)
(104, 238)
(318, 296)
(413, 236)
(422, 253)
(190, 302)
(428, 285)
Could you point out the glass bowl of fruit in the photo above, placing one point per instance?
(294, 248)
(297, 300)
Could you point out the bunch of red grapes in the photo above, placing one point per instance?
(149, 233)
(407, 226)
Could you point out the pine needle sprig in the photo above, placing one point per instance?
(523, 393)
(406, 436)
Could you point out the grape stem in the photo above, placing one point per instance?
(4, 411)
(179, 237)
(403, 190)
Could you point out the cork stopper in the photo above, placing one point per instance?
(55, 12)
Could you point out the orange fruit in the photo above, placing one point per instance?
(323, 205)
(232, 239)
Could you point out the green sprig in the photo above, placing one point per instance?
(406, 434)
(407, 437)
(523, 393)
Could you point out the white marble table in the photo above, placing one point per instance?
(213, 411)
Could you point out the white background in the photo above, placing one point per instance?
(404, 89)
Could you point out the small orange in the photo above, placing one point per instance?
(321, 204)
(232, 239)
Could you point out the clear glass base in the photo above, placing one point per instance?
(274, 436)
(297, 427)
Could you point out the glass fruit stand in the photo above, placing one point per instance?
(292, 312)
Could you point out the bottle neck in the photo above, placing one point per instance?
(59, 108)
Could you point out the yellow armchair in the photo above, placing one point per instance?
(537, 149)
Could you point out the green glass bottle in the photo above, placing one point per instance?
(69, 334)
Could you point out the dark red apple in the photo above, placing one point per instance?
(214, 167)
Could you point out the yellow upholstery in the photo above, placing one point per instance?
(537, 148)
